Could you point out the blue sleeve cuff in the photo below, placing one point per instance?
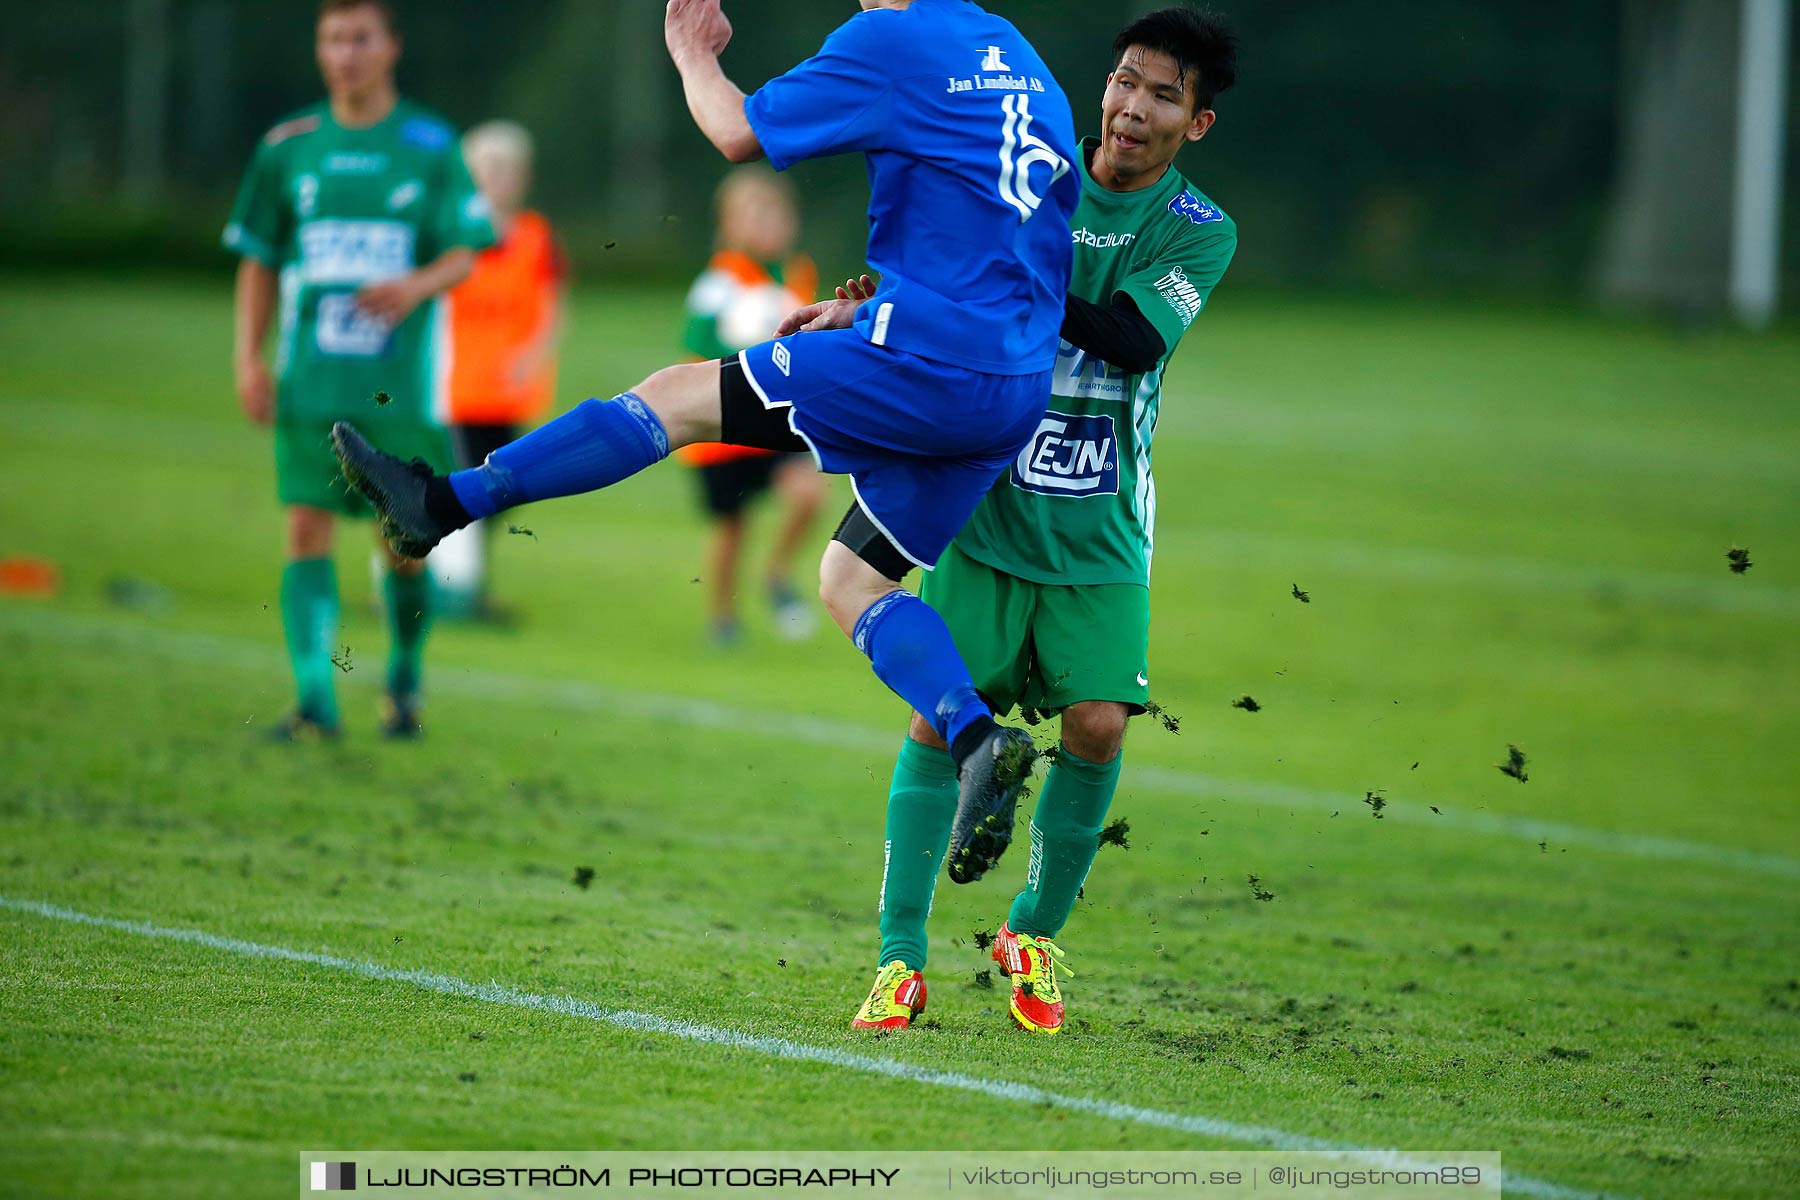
(759, 125)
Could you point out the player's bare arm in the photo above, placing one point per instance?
(697, 32)
(393, 300)
(254, 308)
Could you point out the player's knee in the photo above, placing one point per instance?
(685, 398)
(1095, 730)
(848, 586)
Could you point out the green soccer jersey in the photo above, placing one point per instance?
(332, 209)
(1078, 506)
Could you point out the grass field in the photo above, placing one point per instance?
(1512, 526)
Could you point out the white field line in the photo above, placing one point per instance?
(113, 427)
(579, 696)
(773, 1047)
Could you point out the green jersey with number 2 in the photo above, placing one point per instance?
(334, 209)
(1078, 506)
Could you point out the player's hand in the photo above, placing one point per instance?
(826, 314)
(696, 27)
(392, 300)
(859, 289)
(256, 391)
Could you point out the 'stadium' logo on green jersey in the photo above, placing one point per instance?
(1070, 455)
(1103, 241)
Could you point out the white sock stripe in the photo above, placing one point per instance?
(569, 1006)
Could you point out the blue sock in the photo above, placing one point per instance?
(594, 445)
(910, 647)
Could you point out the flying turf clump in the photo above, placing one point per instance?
(1514, 764)
(984, 938)
(1376, 802)
(1302, 597)
(382, 399)
(1169, 720)
(583, 878)
(1247, 703)
(1740, 560)
(1117, 834)
(341, 660)
(1257, 891)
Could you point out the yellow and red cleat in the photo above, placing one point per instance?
(1032, 963)
(897, 997)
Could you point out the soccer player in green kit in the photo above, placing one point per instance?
(1046, 589)
(354, 216)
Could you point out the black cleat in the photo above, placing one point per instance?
(298, 727)
(400, 718)
(395, 488)
(989, 784)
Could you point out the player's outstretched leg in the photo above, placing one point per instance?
(592, 446)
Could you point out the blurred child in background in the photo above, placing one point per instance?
(754, 280)
(505, 321)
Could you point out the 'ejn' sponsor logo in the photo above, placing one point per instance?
(333, 1177)
(1070, 455)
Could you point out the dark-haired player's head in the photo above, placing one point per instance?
(357, 45)
(1167, 68)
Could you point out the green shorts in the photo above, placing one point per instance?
(1044, 646)
(306, 471)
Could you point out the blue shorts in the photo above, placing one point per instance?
(922, 441)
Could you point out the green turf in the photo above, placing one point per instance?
(1512, 526)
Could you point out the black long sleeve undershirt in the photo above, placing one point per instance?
(1117, 333)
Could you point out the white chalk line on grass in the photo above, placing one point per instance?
(774, 1047)
(580, 696)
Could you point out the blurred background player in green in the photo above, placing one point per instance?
(506, 319)
(755, 279)
(355, 215)
(1047, 588)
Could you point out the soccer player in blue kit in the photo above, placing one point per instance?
(923, 394)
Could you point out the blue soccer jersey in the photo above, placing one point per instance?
(971, 146)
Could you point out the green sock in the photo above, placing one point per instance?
(409, 619)
(309, 618)
(1065, 834)
(921, 806)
